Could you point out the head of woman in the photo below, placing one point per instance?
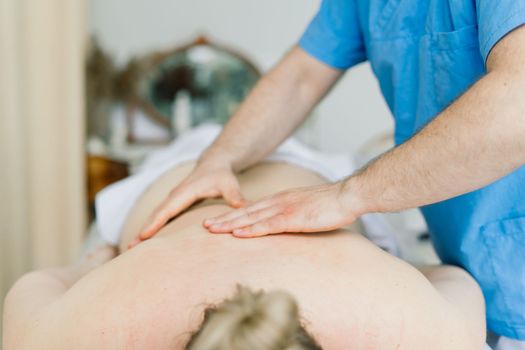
(255, 321)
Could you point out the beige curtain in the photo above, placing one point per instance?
(42, 215)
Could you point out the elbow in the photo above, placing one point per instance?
(311, 76)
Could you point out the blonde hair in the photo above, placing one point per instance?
(253, 321)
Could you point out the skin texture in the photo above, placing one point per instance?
(487, 124)
(295, 210)
(351, 294)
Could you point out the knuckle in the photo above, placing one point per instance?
(252, 215)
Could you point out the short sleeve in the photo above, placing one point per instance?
(334, 36)
(496, 18)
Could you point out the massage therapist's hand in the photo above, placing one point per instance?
(207, 180)
(307, 209)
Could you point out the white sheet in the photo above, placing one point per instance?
(505, 343)
(115, 202)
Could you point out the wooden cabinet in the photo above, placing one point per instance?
(102, 172)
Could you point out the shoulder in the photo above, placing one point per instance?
(24, 314)
(465, 300)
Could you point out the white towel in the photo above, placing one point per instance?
(505, 343)
(114, 203)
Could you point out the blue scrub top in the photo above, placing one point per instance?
(425, 54)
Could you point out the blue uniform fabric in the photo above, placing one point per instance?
(425, 54)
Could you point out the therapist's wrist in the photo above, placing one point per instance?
(354, 197)
(216, 159)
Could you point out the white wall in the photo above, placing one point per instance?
(264, 30)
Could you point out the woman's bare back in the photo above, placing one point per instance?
(352, 295)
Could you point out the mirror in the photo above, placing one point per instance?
(196, 84)
(170, 90)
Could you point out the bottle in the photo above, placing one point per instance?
(181, 112)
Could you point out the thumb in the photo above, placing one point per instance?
(233, 196)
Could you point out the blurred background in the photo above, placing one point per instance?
(88, 87)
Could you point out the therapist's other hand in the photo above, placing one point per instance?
(206, 181)
(307, 209)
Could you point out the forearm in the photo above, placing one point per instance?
(273, 110)
(478, 139)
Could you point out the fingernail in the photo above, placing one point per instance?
(238, 232)
(215, 227)
(208, 222)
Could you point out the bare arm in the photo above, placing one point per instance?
(477, 140)
(274, 109)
